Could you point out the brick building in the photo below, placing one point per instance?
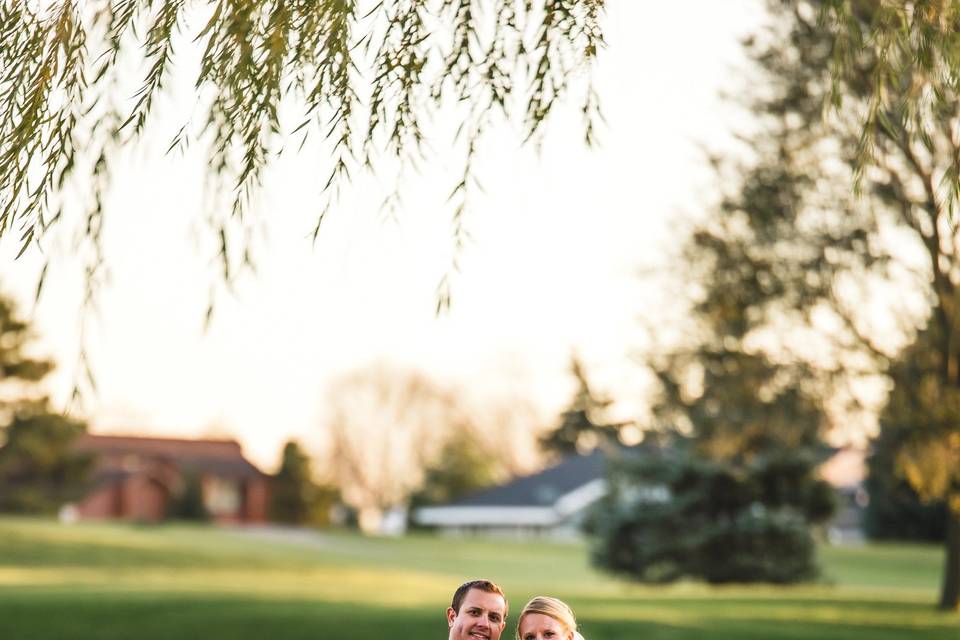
(137, 479)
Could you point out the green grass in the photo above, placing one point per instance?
(109, 582)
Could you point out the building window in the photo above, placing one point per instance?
(221, 496)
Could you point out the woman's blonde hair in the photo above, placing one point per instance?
(556, 609)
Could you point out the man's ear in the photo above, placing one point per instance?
(451, 614)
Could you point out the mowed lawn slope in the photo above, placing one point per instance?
(109, 582)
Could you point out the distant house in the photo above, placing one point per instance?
(555, 501)
(846, 470)
(139, 478)
(550, 503)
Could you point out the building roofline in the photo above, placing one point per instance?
(156, 438)
(523, 515)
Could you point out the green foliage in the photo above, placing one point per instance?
(17, 369)
(464, 465)
(890, 70)
(397, 435)
(739, 495)
(673, 514)
(39, 470)
(581, 425)
(922, 418)
(921, 424)
(295, 498)
(813, 259)
(912, 51)
(364, 76)
(895, 511)
(187, 504)
(774, 336)
(790, 253)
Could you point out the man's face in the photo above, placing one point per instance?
(482, 616)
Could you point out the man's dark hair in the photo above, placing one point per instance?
(482, 585)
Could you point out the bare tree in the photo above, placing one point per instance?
(385, 427)
(391, 429)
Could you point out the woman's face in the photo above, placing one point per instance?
(536, 626)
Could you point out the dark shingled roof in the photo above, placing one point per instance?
(541, 489)
(220, 457)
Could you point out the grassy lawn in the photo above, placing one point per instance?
(109, 582)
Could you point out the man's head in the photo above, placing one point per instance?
(478, 611)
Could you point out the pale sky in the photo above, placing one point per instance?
(558, 239)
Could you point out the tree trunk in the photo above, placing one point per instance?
(950, 592)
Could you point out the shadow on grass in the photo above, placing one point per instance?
(777, 600)
(775, 616)
(746, 629)
(159, 616)
(87, 617)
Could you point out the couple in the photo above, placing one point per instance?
(479, 612)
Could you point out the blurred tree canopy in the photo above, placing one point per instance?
(895, 511)
(904, 55)
(733, 494)
(187, 504)
(790, 273)
(901, 507)
(363, 76)
(398, 438)
(39, 470)
(464, 464)
(921, 418)
(912, 73)
(384, 427)
(581, 426)
(295, 496)
(833, 286)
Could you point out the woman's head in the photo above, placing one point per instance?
(546, 618)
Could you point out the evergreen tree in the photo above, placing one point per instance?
(810, 266)
(581, 426)
(39, 470)
(462, 467)
(894, 510)
(743, 395)
(733, 499)
(295, 498)
(188, 503)
(672, 513)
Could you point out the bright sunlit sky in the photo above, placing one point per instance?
(559, 240)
